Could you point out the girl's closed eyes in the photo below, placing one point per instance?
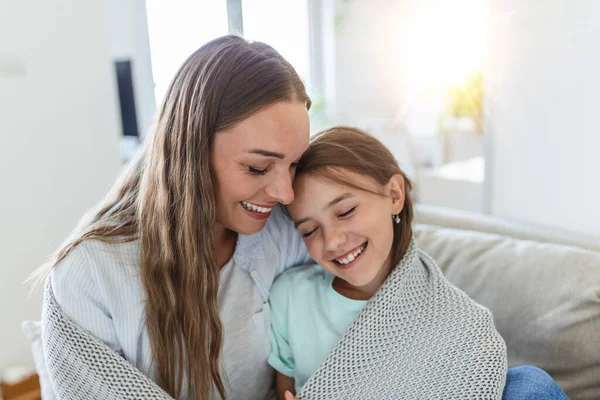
(306, 233)
(348, 213)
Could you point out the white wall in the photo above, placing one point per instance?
(59, 130)
(542, 94)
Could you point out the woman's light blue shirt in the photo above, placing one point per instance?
(98, 285)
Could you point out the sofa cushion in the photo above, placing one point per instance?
(545, 299)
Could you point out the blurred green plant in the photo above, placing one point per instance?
(340, 15)
(318, 105)
(318, 112)
(466, 100)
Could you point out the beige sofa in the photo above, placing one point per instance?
(543, 287)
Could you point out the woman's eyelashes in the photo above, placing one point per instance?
(263, 171)
(256, 171)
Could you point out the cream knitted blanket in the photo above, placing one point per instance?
(80, 366)
(419, 337)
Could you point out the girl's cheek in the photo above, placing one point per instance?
(313, 248)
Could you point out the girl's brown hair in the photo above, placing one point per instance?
(166, 199)
(339, 149)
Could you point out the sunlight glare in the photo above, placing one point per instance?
(444, 46)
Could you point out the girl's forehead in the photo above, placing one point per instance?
(336, 179)
(315, 194)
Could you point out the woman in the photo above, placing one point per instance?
(169, 271)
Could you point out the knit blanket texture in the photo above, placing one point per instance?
(418, 337)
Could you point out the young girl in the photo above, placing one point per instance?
(405, 331)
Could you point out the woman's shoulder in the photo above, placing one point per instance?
(279, 234)
(98, 260)
(279, 223)
(98, 272)
(97, 285)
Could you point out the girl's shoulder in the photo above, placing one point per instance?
(299, 281)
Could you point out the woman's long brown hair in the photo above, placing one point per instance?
(166, 200)
(339, 149)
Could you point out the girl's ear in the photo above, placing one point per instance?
(395, 189)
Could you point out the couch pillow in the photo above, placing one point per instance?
(545, 299)
(33, 332)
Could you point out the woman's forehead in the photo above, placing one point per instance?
(281, 129)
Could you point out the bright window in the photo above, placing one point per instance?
(282, 25)
(178, 27)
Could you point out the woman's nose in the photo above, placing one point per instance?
(281, 188)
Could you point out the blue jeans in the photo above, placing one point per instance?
(531, 383)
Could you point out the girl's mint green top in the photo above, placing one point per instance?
(308, 317)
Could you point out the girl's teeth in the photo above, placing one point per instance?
(351, 257)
